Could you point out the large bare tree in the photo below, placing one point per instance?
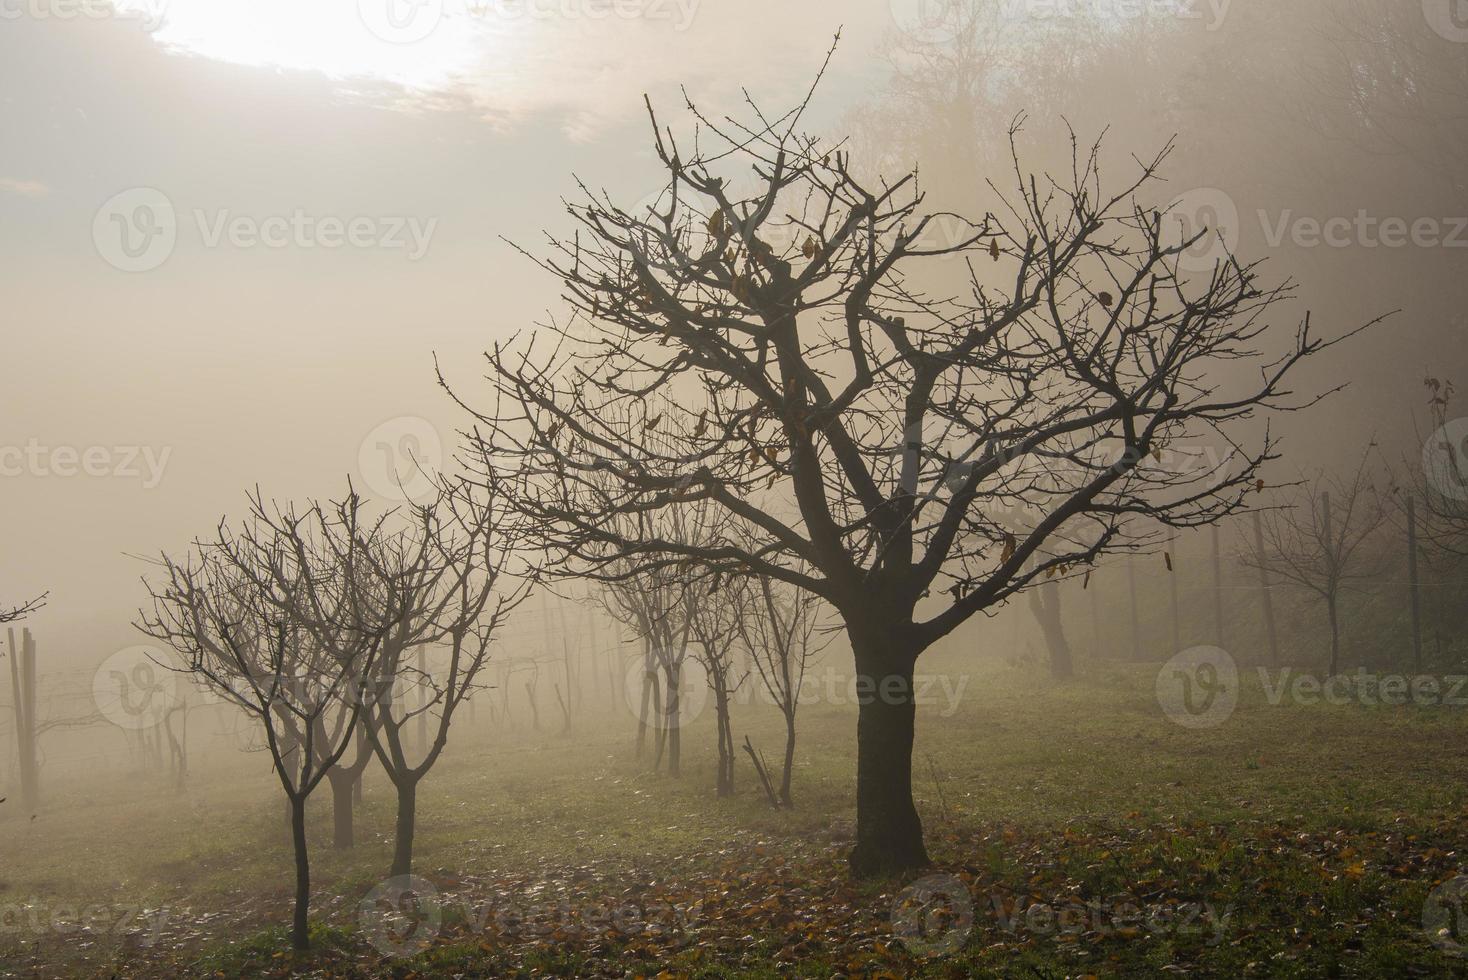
(861, 381)
(272, 616)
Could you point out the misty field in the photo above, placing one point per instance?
(1091, 834)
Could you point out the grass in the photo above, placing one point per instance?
(1091, 835)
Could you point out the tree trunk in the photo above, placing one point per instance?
(1335, 637)
(1045, 603)
(725, 781)
(342, 788)
(675, 743)
(785, 799)
(300, 935)
(889, 834)
(402, 859)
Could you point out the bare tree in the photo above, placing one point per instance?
(715, 614)
(657, 603)
(444, 574)
(1045, 604)
(785, 324)
(778, 625)
(1320, 540)
(1441, 481)
(271, 616)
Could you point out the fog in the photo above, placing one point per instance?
(266, 248)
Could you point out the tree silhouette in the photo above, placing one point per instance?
(864, 424)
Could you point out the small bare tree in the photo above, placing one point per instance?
(272, 617)
(1320, 540)
(444, 573)
(714, 610)
(778, 624)
(1441, 481)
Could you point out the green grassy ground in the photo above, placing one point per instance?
(1081, 831)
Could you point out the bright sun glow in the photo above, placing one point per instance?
(416, 43)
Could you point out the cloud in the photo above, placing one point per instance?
(23, 188)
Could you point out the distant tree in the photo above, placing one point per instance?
(272, 616)
(1441, 478)
(1045, 605)
(1320, 540)
(655, 603)
(779, 625)
(784, 327)
(715, 612)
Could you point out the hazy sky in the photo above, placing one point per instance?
(274, 335)
(233, 234)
